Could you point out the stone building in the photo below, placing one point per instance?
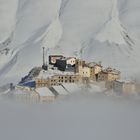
(124, 87)
(42, 83)
(57, 80)
(40, 94)
(82, 69)
(25, 94)
(95, 69)
(79, 66)
(60, 79)
(109, 74)
(137, 85)
(88, 70)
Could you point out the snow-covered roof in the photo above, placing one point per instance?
(110, 70)
(93, 64)
(56, 56)
(125, 81)
(44, 91)
(72, 87)
(60, 90)
(68, 58)
(48, 74)
(20, 92)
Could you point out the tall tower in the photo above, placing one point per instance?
(44, 66)
(79, 66)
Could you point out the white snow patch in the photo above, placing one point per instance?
(49, 73)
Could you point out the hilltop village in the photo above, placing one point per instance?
(62, 74)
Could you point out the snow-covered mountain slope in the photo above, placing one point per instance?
(103, 30)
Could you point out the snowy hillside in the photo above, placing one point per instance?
(103, 30)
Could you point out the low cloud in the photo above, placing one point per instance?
(78, 116)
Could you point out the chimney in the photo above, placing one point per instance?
(43, 56)
(44, 66)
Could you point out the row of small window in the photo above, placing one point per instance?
(41, 81)
(72, 61)
(69, 77)
(85, 72)
(70, 81)
(42, 84)
(53, 80)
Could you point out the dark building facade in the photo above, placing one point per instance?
(53, 58)
(61, 64)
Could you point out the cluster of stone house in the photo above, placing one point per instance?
(79, 67)
(70, 70)
(78, 71)
(109, 74)
(95, 71)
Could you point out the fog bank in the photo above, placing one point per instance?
(73, 117)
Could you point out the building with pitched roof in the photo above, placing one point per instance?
(109, 74)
